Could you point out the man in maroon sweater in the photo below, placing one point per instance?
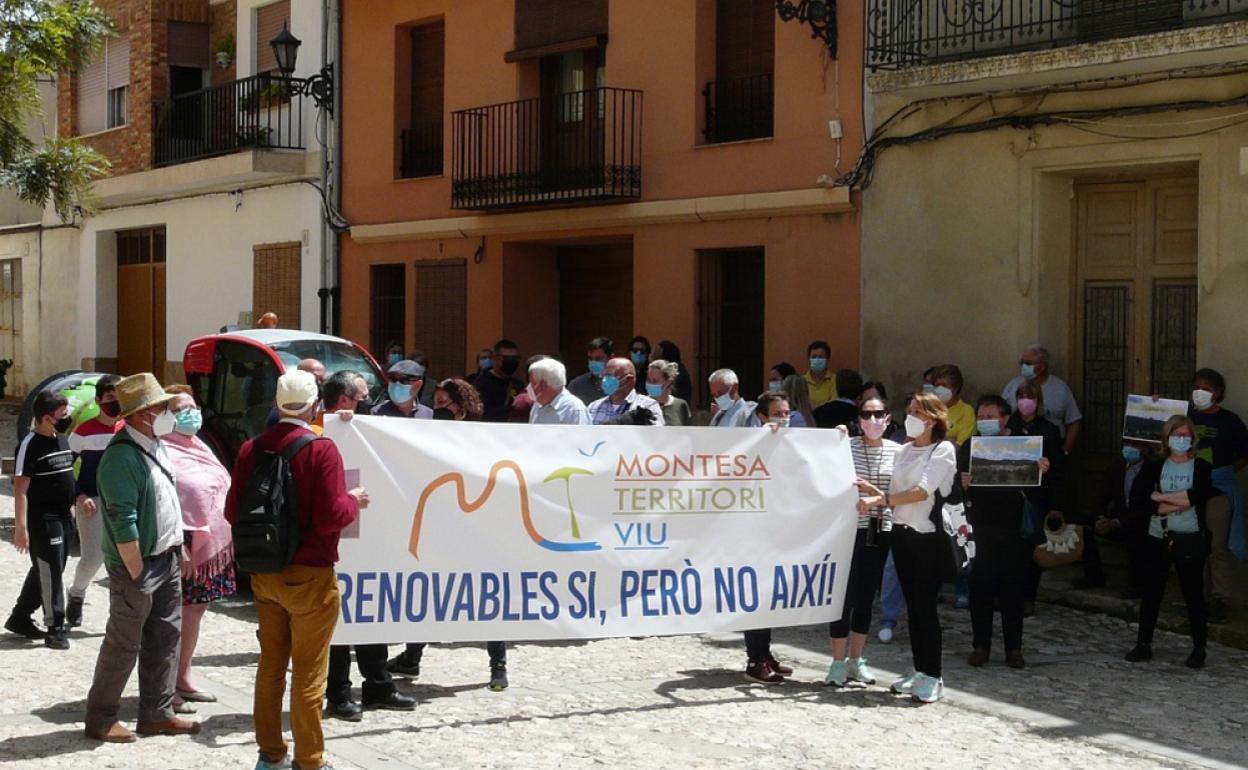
(298, 607)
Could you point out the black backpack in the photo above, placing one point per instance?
(267, 531)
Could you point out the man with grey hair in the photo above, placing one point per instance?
(623, 405)
(552, 403)
(1060, 407)
(731, 411)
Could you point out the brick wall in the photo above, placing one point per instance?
(224, 24)
(145, 23)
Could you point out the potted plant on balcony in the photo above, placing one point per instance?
(225, 51)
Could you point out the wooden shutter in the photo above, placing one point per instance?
(547, 22)
(745, 38)
(92, 99)
(428, 62)
(269, 22)
(118, 62)
(387, 306)
(188, 45)
(441, 304)
(276, 283)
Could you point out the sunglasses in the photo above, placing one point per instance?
(401, 380)
(868, 414)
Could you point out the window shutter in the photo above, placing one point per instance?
(547, 22)
(745, 38)
(441, 304)
(118, 62)
(91, 96)
(276, 283)
(269, 22)
(188, 44)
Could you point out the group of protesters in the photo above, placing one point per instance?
(149, 501)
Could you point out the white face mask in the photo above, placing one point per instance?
(1202, 399)
(943, 393)
(532, 393)
(915, 426)
(164, 424)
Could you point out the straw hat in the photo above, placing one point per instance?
(141, 391)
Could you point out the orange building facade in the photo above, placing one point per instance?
(550, 171)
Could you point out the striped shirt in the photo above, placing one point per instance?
(49, 464)
(875, 465)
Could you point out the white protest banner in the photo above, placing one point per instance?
(502, 532)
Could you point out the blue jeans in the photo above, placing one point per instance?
(892, 602)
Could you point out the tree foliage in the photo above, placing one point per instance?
(39, 39)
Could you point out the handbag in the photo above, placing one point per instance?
(949, 516)
(1063, 543)
(1184, 546)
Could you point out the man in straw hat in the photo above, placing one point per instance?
(142, 552)
(298, 607)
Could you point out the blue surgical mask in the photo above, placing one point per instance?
(724, 402)
(1028, 371)
(485, 363)
(1180, 444)
(399, 392)
(774, 385)
(639, 357)
(610, 384)
(394, 358)
(818, 364)
(944, 394)
(929, 387)
(988, 427)
(1132, 454)
(188, 421)
(596, 368)
(654, 389)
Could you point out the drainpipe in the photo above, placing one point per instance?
(336, 192)
(326, 232)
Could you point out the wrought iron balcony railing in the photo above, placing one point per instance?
(262, 111)
(576, 147)
(902, 33)
(420, 150)
(738, 109)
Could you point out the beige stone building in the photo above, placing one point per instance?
(1073, 173)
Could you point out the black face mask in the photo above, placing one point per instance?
(510, 366)
(364, 407)
(111, 408)
(443, 414)
(63, 425)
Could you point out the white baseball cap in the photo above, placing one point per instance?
(296, 391)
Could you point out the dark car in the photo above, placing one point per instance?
(234, 376)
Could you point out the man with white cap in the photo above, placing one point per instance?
(142, 550)
(403, 392)
(298, 607)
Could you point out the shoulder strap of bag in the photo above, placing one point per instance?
(297, 445)
(150, 456)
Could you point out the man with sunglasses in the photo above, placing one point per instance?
(499, 385)
(405, 380)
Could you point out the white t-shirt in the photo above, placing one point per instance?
(932, 468)
(1059, 401)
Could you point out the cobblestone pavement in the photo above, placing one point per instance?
(673, 702)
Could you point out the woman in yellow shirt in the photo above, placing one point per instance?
(948, 382)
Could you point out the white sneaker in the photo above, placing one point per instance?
(905, 685)
(836, 674)
(858, 671)
(886, 634)
(927, 689)
(283, 764)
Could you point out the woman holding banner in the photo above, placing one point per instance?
(873, 462)
(762, 667)
(923, 472)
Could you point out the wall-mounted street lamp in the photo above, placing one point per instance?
(820, 15)
(320, 86)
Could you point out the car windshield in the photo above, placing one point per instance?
(336, 356)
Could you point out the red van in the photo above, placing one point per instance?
(234, 376)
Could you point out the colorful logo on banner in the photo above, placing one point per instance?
(526, 516)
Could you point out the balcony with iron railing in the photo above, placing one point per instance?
(257, 112)
(572, 148)
(739, 109)
(907, 33)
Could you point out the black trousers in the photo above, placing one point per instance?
(865, 572)
(371, 661)
(919, 560)
(758, 644)
(44, 585)
(997, 577)
(1156, 559)
(497, 651)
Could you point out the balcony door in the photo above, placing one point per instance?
(573, 116)
(1136, 251)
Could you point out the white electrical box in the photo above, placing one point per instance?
(834, 129)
